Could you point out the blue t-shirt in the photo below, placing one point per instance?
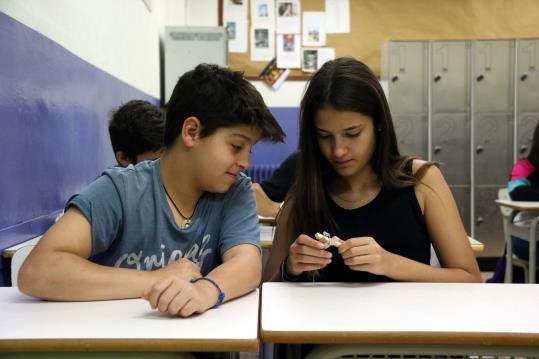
(133, 225)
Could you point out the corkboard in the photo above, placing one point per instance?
(374, 22)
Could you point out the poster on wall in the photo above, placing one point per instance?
(288, 51)
(312, 59)
(288, 19)
(235, 20)
(262, 44)
(263, 13)
(337, 16)
(236, 32)
(314, 28)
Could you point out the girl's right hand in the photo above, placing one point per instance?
(306, 254)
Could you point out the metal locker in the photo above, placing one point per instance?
(408, 76)
(492, 121)
(450, 118)
(493, 75)
(412, 134)
(450, 76)
(527, 83)
(407, 85)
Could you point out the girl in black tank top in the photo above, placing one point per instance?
(352, 182)
(407, 235)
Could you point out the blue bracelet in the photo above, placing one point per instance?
(220, 297)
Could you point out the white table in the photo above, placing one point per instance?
(8, 252)
(29, 324)
(405, 318)
(527, 233)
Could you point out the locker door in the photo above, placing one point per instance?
(493, 91)
(450, 125)
(408, 95)
(527, 83)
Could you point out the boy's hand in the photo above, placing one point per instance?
(306, 254)
(180, 297)
(365, 254)
(182, 268)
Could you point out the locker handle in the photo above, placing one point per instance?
(480, 78)
(479, 220)
(437, 78)
(523, 148)
(437, 149)
(524, 77)
(395, 79)
(479, 149)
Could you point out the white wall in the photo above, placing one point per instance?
(120, 37)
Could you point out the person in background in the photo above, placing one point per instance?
(271, 193)
(182, 231)
(352, 181)
(136, 132)
(524, 186)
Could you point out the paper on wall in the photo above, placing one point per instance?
(337, 16)
(314, 28)
(263, 13)
(237, 35)
(262, 44)
(288, 51)
(288, 19)
(313, 59)
(235, 20)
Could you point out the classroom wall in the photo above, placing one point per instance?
(64, 64)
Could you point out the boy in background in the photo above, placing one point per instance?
(136, 132)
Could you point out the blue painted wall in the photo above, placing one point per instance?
(268, 153)
(54, 110)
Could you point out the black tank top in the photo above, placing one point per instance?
(393, 218)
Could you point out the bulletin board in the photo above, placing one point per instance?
(374, 22)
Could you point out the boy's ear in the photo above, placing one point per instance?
(191, 131)
(122, 159)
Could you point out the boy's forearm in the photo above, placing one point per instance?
(65, 276)
(238, 276)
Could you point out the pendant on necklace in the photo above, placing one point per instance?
(185, 224)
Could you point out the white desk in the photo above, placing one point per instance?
(410, 318)
(8, 252)
(521, 232)
(29, 324)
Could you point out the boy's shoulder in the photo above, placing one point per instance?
(132, 172)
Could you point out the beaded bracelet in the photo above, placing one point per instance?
(220, 297)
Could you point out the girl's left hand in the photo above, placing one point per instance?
(365, 254)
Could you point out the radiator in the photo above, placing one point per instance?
(259, 173)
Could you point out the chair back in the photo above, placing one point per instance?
(16, 262)
(503, 194)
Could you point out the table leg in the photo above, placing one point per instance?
(508, 251)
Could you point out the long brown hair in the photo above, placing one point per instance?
(344, 84)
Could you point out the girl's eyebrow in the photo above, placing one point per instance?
(345, 129)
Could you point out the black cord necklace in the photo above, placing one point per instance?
(187, 220)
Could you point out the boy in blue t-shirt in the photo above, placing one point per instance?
(182, 231)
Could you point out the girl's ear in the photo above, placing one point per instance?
(190, 131)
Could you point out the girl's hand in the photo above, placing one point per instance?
(306, 254)
(365, 254)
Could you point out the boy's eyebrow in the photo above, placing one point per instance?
(245, 137)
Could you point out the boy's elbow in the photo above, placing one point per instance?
(27, 278)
